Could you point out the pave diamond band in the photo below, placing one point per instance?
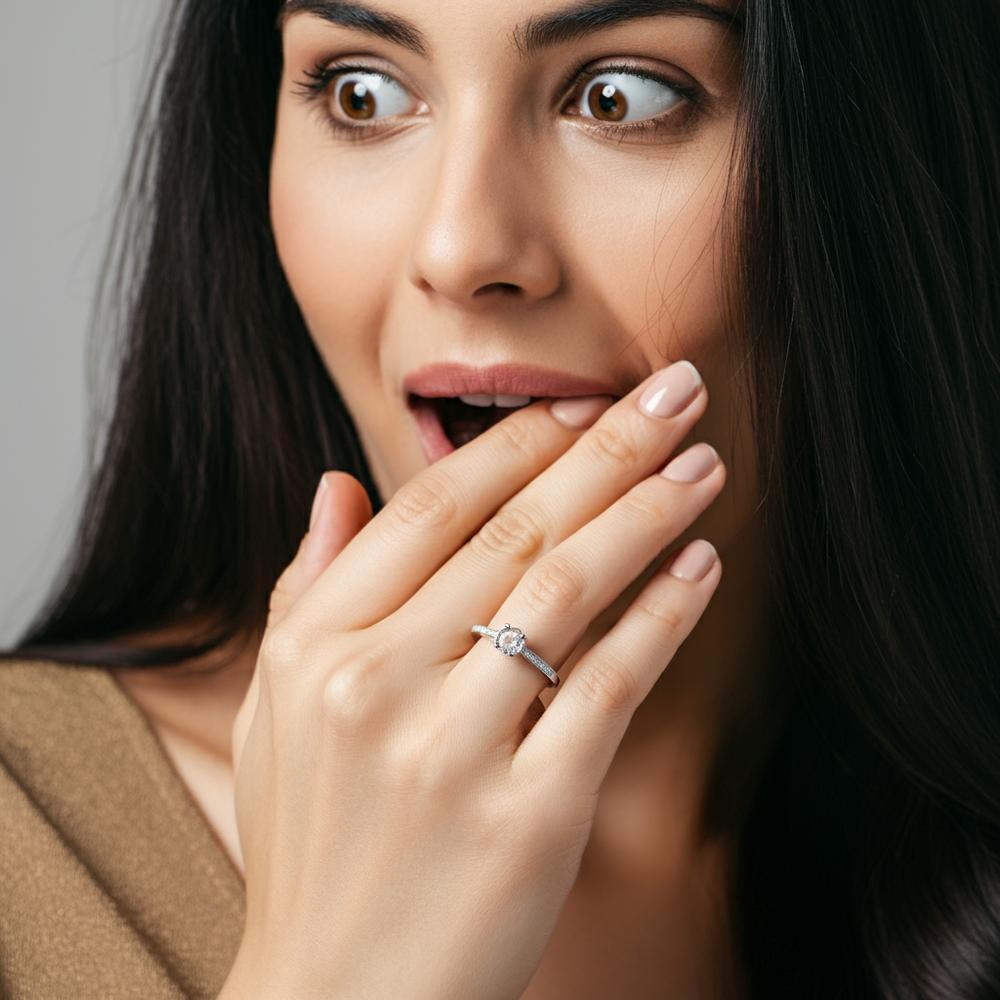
(510, 641)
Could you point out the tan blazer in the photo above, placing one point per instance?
(112, 882)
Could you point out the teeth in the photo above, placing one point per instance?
(488, 400)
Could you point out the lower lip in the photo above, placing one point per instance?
(433, 439)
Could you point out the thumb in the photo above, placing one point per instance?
(340, 509)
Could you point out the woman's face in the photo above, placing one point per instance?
(470, 191)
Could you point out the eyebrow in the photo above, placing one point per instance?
(530, 37)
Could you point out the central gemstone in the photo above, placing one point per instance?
(509, 640)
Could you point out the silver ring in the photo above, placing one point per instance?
(510, 642)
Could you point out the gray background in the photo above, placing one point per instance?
(70, 83)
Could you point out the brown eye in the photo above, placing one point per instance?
(356, 100)
(361, 96)
(621, 96)
(607, 100)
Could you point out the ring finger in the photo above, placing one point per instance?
(560, 594)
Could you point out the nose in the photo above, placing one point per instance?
(483, 232)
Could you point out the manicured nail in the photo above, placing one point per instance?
(693, 464)
(317, 505)
(579, 411)
(671, 390)
(694, 561)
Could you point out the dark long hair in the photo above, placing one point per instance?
(224, 416)
(868, 241)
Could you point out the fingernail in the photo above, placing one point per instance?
(693, 464)
(579, 411)
(318, 499)
(671, 391)
(694, 561)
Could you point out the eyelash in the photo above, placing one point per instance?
(322, 75)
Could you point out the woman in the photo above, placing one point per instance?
(796, 759)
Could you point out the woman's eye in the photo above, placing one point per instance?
(620, 95)
(364, 95)
(347, 97)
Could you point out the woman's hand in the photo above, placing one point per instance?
(411, 823)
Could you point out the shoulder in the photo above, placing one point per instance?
(39, 699)
(60, 732)
(110, 883)
(25, 677)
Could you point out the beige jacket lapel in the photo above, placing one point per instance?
(109, 873)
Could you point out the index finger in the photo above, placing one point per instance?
(433, 514)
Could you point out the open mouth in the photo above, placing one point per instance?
(453, 402)
(448, 422)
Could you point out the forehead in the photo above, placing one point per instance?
(529, 28)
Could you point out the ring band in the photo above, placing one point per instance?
(510, 642)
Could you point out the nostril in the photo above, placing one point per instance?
(503, 287)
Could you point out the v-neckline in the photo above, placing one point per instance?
(174, 785)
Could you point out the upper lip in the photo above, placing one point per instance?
(514, 379)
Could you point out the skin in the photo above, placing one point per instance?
(393, 246)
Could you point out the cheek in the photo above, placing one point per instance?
(335, 240)
(651, 247)
(649, 242)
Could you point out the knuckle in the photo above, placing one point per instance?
(608, 684)
(667, 616)
(555, 584)
(613, 444)
(422, 767)
(514, 532)
(515, 435)
(349, 690)
(425, 501)
(282, 649)
(641, 504)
